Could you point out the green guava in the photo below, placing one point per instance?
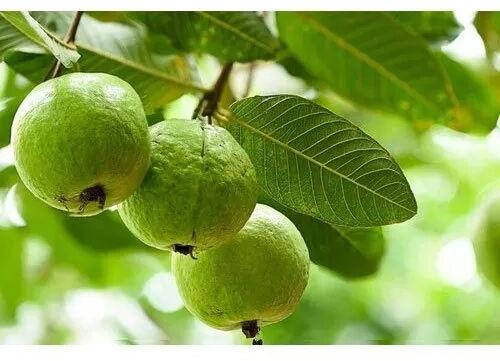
(257, 279)
(199, 191)
(486, 240)
(81, 142)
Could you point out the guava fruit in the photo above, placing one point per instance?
(81, 142)
(486, 240)
(255, 280)
(199, 191)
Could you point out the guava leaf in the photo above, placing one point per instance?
(352, 253)
(478, 107)
(370, 59)
(318, 163)
(119, 49)
(436, 27)
(19, 29)
(240, 36)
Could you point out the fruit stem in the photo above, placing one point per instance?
(210, 99)
(69, 38)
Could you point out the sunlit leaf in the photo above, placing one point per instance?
(370, 59)
(319, 164)
(119, 49)
(19, 29)
(229, 35)
(433, 26)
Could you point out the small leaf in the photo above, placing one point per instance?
(317, 163)
(350, 252)
(20, 29)
(436, 27)
(229, 35)
(370, 59)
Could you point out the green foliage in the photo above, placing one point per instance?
(122, 50)
(320, 164)
(378, 83)
(434, 26)
(230, 36)
(352, 253)
(371, 59)
(19, 29)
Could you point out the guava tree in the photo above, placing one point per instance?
(297, 152)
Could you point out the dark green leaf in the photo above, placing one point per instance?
(370, 59)
(433, 26)
(119, 49)
(19, 29)
(319, 164)
(229, 35)
(350, 252)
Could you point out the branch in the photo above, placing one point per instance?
(248, 86)
(69, 38)
(210, 99)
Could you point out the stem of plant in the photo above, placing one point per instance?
(251, 71)
(69, 38)
(210, 99)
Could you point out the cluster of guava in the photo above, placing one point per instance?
(82, 144)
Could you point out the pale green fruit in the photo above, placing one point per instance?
(257, 279)
(81, 142)
(487, 240)
(199, 191)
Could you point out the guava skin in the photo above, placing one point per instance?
(260, 276)
(200, 190)
(486, 240)
(81, 142)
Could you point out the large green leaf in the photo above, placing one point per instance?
(350, 252)
(370, 59)
(229, 35)
(317, 163)
(478, 107)
(19, 29)
(119, 49)
(433, 26)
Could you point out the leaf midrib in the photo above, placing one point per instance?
(236, 31)
(141, 68)
(314, 161)
(368, 60)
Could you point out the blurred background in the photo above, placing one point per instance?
(67, 280)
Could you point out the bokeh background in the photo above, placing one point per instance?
(67, 280)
